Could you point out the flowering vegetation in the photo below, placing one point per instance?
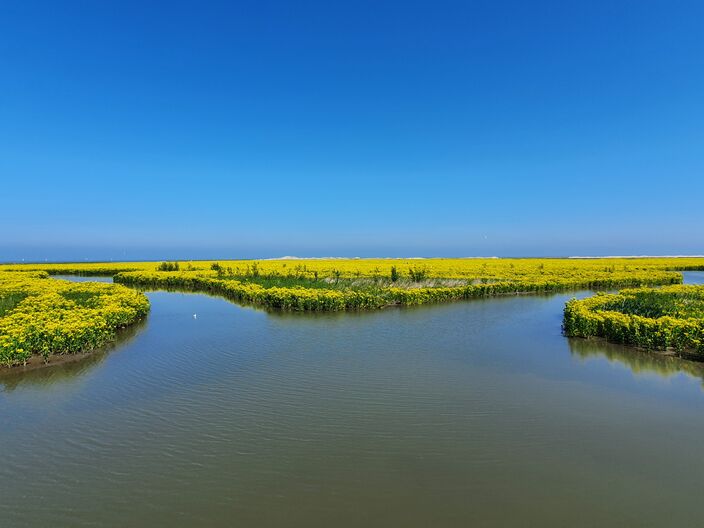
(303, 294)
(577, 270)
(662, 318)
(43, 316)
(353, 284)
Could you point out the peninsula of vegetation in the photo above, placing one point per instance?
(670, 317)
(40, 316)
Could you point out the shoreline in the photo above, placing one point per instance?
(37, 361)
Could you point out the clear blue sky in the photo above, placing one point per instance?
(256, 129)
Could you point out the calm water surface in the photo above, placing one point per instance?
(467, 414)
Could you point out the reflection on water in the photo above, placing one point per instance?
(64, 371)
(71, 367)
(643, 361)
(475, 413)
(639, 361)
(82, 278)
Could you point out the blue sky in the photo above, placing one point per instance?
(256, 129)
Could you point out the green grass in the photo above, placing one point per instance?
(83, 299)
(365, 284)
(9, 301)
(656, 303)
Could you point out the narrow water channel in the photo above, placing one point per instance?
(474, 413)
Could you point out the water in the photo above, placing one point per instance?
(694, 277)
(474, 413)
(78, 278)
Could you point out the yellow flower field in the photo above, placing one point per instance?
(487, 268)
(39, 315)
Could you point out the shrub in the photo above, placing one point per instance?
(168, 266)
(417, 274)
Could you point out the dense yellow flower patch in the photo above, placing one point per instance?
(366, 284)
(344, 284)
(576, 270)
(39, 315)
(668, 317)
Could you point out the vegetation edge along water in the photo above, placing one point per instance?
(40, 316)
(353, 296)
(353, 284)
(671, 317)
(291, 284)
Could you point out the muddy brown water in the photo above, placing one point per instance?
(475, 413)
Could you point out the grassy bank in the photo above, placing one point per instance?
(671, 317)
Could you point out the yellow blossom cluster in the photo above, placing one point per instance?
(352, 284)
(581, 271)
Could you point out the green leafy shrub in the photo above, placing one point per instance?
(168, 266)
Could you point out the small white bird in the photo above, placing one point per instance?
(195, 316)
